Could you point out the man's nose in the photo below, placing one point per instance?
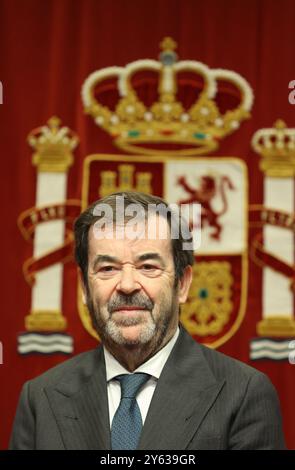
(128, 280)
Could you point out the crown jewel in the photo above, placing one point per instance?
(53, 145)
(196, 128)
(276, 145)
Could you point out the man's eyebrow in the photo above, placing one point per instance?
(151, 256)
(104, 259)
(112, 259)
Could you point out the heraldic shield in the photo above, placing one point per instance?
(217, 299)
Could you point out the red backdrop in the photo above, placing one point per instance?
(47, 49)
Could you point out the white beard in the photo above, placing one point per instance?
(113, 330)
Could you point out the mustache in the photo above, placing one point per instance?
(123, 300)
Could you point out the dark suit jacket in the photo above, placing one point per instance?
(203, 400)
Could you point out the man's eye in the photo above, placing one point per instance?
(150, 270)
(148, 267)
(106, 269)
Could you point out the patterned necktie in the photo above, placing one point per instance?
(127, 422)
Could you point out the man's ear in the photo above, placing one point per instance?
(184, 284)
(83, 287)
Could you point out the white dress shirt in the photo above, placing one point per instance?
(153, 367)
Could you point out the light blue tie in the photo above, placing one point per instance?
(127, 422)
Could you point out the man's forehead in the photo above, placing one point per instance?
(152, 227)
(138, 238)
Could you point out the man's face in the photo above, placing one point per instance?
(132, 293)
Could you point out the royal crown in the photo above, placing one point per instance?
(184, 115)
(276, 145)
(53, 146)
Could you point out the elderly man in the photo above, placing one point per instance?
(148, 385)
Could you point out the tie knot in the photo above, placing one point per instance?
(131, 384)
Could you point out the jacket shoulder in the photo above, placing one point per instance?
(82, 366)
(224, 366)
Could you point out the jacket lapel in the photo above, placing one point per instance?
(80, 406)
(185, 392)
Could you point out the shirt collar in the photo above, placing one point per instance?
(153, 366)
